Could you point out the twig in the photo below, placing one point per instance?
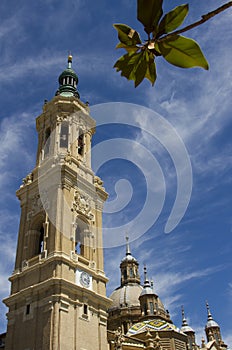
(203, 19)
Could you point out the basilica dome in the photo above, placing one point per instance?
(126, 296)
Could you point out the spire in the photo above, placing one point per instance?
(210, 318)
(185, 328)
(127, 246)
(147, 290)
(68, 81)
(146, 281)
(128, 256)
(184, 321)
(210, 321)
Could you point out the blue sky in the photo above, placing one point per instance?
(193, 262)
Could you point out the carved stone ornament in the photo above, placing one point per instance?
(27, 180)
(81, 205)
(61, 118)
(118, 339)
(68, 158)
(98, 182)
(37, 204)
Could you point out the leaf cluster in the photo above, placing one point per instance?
(139, 61)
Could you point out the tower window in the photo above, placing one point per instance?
(85, 309)
(41, 241)
(131, 272)
(145, 309)
(80, 234)
(28, 307)
(125, 274)
(81, 143)
(47, 142)
(64, 135)
(151, 308)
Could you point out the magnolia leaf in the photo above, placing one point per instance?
(122, 65)
(140, 70)
(173, 19)
(182, 52)
(127, 64)
(151, 68)
(149, 13)
(127, 35)
(137, 66)
(127, 48)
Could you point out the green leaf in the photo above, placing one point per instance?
(123, 66)
(127, 48)
(149, 13)
(173, 19)
(151, 68)
(127, 35)
(182, 52)
(140, 70)
(127, 64)
(137, 66)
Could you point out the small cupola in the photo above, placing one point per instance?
(150, 304)
(129, 267)
(185, 328)
(212, 328)
(68, 81)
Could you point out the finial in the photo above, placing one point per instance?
(208, 311)
(69, 60)
(127, 246)
(145, 273)
(69, 56)
(146, 281)
(184, 321)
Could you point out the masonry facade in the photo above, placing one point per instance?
(58, 287)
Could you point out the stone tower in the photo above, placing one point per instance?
(186, 329)
(125, 308)
(213, 331)
(58, 298)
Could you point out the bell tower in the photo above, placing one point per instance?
(58, 287)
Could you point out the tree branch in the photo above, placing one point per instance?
(203, 19)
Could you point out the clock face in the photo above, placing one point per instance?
(85, 279)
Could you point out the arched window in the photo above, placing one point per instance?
(125, 274)
(151, 308)
(78, 240)
(47, 142)
(64, 135)
(36, 237)
(145, 309)
(81, 229)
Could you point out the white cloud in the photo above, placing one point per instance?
(202, 107)
(15, 147)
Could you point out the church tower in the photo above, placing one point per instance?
(212, 330)
(186, 329)
(58, 287)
